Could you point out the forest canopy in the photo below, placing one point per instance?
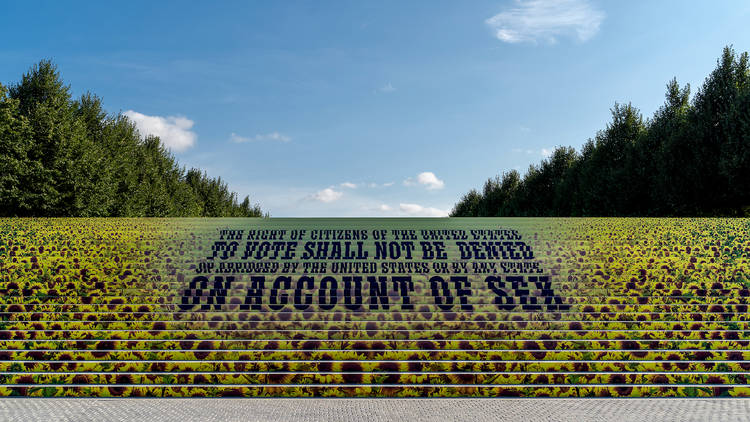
(61, 156)
(692, 158)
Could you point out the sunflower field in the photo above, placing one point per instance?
(587, 307)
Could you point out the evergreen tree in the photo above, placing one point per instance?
(60, 157)
(691, 158)
(17, 172)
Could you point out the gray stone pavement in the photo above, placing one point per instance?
(402, 410)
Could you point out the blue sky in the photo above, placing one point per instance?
(384, 108)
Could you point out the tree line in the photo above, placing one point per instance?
(692, 158)
(61, 156)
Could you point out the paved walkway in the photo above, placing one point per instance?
(402, 410)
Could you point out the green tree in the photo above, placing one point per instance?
(45, 101)
(691, 158)
(16, 172)
(666, 152)
(468, 206)
(60, 157)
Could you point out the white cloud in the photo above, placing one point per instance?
(387, 88)
(371, 185)
(173, 131)
(273, 136)
(427, 179)
(375, 185)
(545, 20)
(420, 211)
(283, 200)
(238, 139)
(544, 152)
(326, 195)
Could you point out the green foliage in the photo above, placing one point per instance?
(690, 159)
(65, 157)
